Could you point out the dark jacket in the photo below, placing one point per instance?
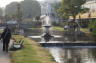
(6, 35)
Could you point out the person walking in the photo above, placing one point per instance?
(5, 36)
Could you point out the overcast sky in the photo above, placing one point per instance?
(3, 3)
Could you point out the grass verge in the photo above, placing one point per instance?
(31, 53)
(54, 28)
(34, 28)
(86, 30)
(58, 28)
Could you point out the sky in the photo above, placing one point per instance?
(3, 3)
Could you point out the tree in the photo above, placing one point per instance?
(7, 18)
(19, 12)
(29, 8)
(71, 7)
(56, 6)
(1, 12)
(11, 9)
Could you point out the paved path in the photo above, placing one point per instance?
(4, 57)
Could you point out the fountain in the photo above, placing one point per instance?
(46, 24)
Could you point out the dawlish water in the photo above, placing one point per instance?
(62, 55)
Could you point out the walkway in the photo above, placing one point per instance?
(4, 57)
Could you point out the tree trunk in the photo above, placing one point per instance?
(73, 23)
(74, 18)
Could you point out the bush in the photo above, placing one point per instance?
(92, 26)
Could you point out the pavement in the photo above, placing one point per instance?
(4, 57)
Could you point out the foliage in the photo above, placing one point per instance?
(56, 7)
(19, 12)
(92, 26)
(11, 9)
(29, 8)
(71, 7)
(1, 12)
(62, 14)
(7, 18)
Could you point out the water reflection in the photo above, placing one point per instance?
(56, 53)
(62, 55)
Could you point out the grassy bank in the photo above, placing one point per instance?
(85, 30)
(31, 53)
(54, 28)
(34, 28)
(1, 31)
(58, 28)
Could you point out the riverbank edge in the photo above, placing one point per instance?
(31, 53)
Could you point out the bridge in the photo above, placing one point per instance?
(69, 45)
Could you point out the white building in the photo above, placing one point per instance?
(91, 5)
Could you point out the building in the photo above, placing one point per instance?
(92, 9)
(91, 5)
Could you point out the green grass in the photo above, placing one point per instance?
(86, 30)
(1, 31)
(54, 28)
(34, 28)
(31, 53)
(58, 28)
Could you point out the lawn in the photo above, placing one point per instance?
(31, 53)
(58, 28)
(54, 28)
(1, 31)
(86, 30)
(34, 28)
